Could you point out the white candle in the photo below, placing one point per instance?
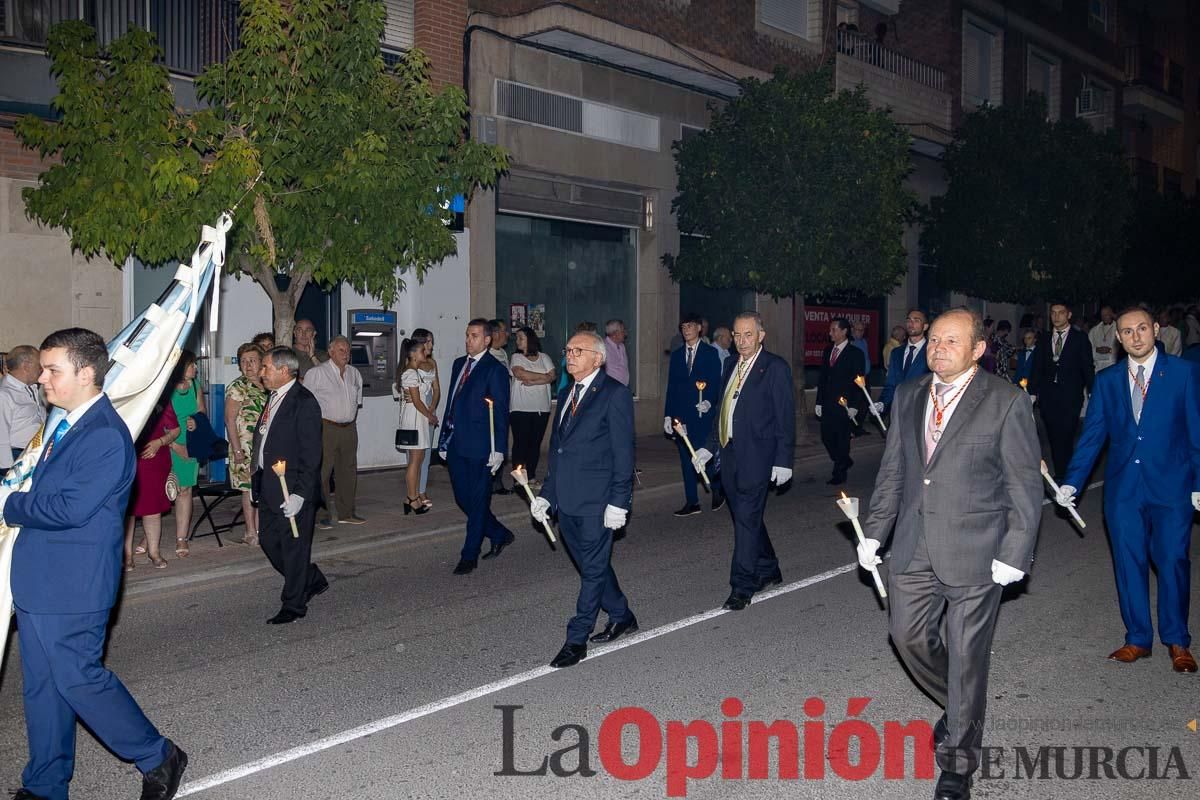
(679, 430)
(491, 421)
(849, 507)
(862, 384)
(280, 467)
(520, 477)
(1054, 488)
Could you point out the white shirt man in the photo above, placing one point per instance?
(21, 409)
(1104, 339)
(338, 390)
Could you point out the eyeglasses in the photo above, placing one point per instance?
(576, 352)
(746, 337)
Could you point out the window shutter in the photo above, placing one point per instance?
(786, 15)
(972, 66)
(399, 25)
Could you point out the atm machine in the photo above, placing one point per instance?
(374, 347)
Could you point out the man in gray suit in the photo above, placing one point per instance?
(959, 480)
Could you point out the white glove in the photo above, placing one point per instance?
(668, 426)
(1003, 574)
(701, 458)
(780, 475)
(866, 553)
(1033, 398)
(291, 506)
(1195, 501)
(703, 407)
(817, 409)
(853, 412)
(614, 518)
(494, 461)
(540, 509)
(878, 408)
(1065, 495)
(442, 455)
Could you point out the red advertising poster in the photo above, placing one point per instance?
(816, 330)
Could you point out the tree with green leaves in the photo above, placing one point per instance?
(1034, 209)
(794, 189)
(341, 168)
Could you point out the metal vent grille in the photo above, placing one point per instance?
(541, 108)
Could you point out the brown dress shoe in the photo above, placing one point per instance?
(1181, 659)
(1128, 653)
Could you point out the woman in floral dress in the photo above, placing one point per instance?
(244, 401)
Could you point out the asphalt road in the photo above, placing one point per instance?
(390, 687)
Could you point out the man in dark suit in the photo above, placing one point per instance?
(693, 364)
(66, 569)
(755, 439)
(1062, 371)
(1147, 407)
(289, 430)
(590, 486)
(907, 361)
(959, 481)
(478, 388)
(840, 365)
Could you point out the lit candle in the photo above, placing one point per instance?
(280, 467)
(681, 432)
(1054, 488)
(1024, 384)
(700, 388)
(491, 421)
(862, 384)
(849, 507)
(520, 477)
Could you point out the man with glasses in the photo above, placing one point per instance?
(590, 486)
(755, 440)
(907, 360)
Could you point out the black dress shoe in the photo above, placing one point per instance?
(941, 731)
(497, 547)
(736, 602)
(952, 786)
(465, 567)
(836, 480)
(569, 656)
(718, 502)
(25, 794)
(162, 782)
(688, 509)
(501, 491)
(284, 617)
(320, 588)
(774, 579)
(612, 631)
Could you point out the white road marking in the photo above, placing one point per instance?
(378, 726)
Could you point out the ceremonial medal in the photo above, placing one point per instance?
(937, 435)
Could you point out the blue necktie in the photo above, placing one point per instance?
(59, 433)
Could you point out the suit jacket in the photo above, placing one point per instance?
(294, 437)
(470, 437)
(591, 462)
(897, 374)
(838, 380)
(979, 498)
(67, 559)
(682, 394)
(1070, 375)
(1164, 446)
(764, 419)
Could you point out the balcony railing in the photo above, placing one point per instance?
(192, 33)
(866, 49)
(1145, 66)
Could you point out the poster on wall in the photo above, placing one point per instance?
(517, 315)
(537, 319)
(816, 330)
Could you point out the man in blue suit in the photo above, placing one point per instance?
(1147, 406)
(66, 569)
(590, 486)
(755, 437)
(907, 361)
(693, 364)
(478, 388)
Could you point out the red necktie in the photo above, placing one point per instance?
(834, 357)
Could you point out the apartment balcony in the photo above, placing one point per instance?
(1153, 87)
(914, 91)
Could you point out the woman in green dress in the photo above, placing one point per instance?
(244, 401)
(187, 400)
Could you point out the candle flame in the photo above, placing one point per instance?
(842, 401)
(279, 467)
(860, 380)
(844, 496)
(1024, 383)
(701, 384)
(487, 400)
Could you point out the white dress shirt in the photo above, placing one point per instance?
(948, 411)
(21, 414)
(1103, 336)
(584, 383)
(339, 392)
(733, 378)
(273, 401)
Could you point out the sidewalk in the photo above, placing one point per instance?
(380, 501)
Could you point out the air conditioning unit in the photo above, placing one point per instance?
(1090, 103)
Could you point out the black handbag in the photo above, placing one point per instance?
(406, 437)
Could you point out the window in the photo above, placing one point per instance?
(1098, 15)
(398, 29)
(1043, 75)
(982, 60)
(847, 14)
(789, 16)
